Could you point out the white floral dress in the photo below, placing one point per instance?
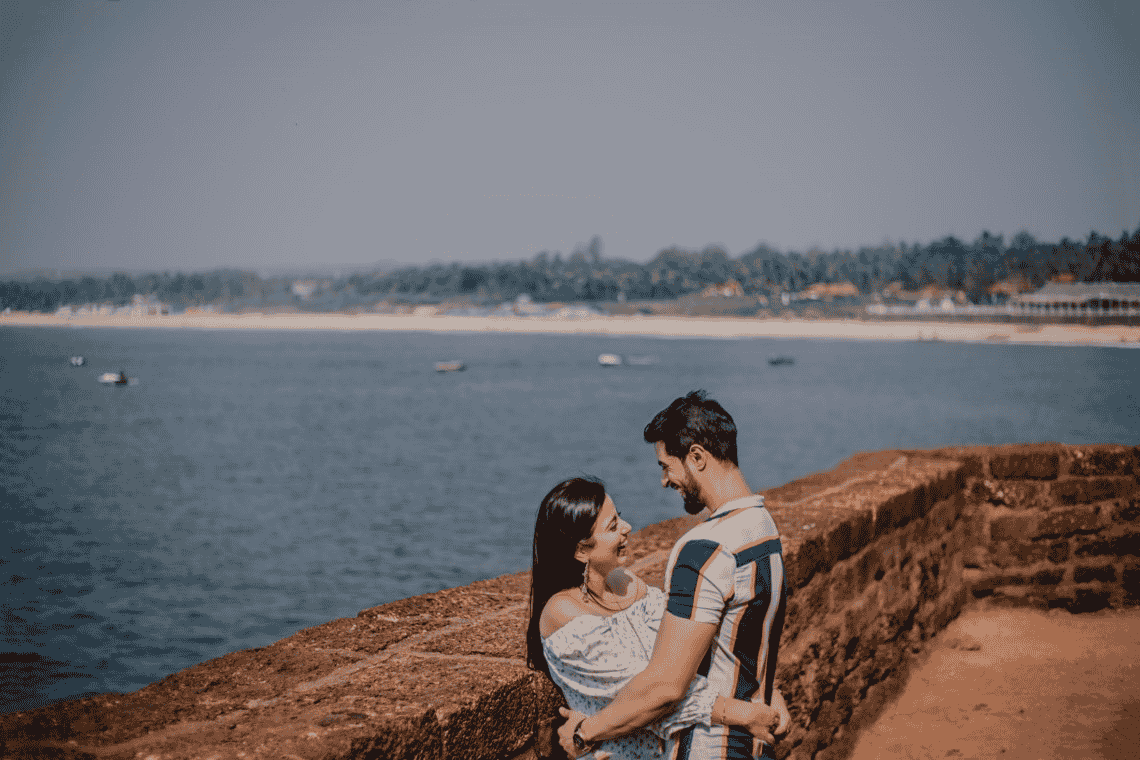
(592, 657)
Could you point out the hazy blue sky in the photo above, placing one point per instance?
(272, 133)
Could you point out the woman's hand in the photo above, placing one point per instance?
(566, 736)
(756, 718)
(783, 722)
(782, 708)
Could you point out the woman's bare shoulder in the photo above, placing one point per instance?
(560, 610)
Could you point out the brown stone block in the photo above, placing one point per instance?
(1070, 492)
(1037, 465)
(1025, 494)
(928, 582)
(895, 589)
(976, 557)
(1058, 552)
(936, 523)
(1025, 552)
(840, 747)
(860, 615)
(794, 622)
(812, 556)
(869, 565)
(1118, 543)
(1061, 597)
(950, 485)
(1090, 600)
(848, 535)
(894, 512)
(815, 597)
(798, 571)
(1130, 582)
(1013, 527)
(1104, 461)
(828, 718)
(1001, 555)
(1064, 522)
(1020, 596)
(844, 584)
(973, 466)
(1090, 573)
(500, 723)
(401, 739)
(1129, 512)
(1048, 577)
(503, 635)
(469, 601)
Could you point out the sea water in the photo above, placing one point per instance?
(252, 483)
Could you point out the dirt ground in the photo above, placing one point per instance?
(1020, 685)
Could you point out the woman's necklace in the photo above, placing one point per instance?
(598, 599)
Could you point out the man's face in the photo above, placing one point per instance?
(675, 474)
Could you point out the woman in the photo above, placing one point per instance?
(593, 623)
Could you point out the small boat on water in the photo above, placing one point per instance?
(779, 361)
(77, 361)
(609, 360)
(114, 378)
(452, 366)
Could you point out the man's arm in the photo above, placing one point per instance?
(654, 692)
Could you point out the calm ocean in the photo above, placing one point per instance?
(254, 483)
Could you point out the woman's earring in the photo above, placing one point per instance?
(586, 582)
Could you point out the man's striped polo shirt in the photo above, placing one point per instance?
(729, 570)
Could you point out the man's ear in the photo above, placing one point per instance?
(697, 457)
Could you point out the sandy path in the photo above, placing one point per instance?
(1020, 685)
(694, 327)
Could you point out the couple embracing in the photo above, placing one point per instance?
(688, 673)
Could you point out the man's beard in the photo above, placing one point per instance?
(694, 502)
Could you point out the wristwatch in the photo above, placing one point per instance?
(580, 744)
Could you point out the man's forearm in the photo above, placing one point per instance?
(642, 701)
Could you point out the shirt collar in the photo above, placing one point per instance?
(755, 500)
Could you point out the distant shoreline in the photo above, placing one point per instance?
(652, 326)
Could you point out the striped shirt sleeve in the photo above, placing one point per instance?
(701, 581)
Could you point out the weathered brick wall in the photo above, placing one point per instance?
(1057, 528)
(882, 552)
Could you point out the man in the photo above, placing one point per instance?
(726, 601)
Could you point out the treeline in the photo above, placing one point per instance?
(948, 263)
(586, 275)
(179, 290)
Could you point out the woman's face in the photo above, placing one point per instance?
(610, 535)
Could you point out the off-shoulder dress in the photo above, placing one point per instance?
(592, 657)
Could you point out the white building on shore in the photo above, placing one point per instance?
(1080, 298)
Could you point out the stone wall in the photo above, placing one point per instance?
(881, 553)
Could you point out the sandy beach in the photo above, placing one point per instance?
(662, 326)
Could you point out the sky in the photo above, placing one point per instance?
(268, 134)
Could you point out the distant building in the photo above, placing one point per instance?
(147, 306)
(724, 290)
(305, 289)
(1080, 298)
(826, 291)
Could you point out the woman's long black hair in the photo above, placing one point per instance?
(565, 519)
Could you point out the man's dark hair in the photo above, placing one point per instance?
(694, 418)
